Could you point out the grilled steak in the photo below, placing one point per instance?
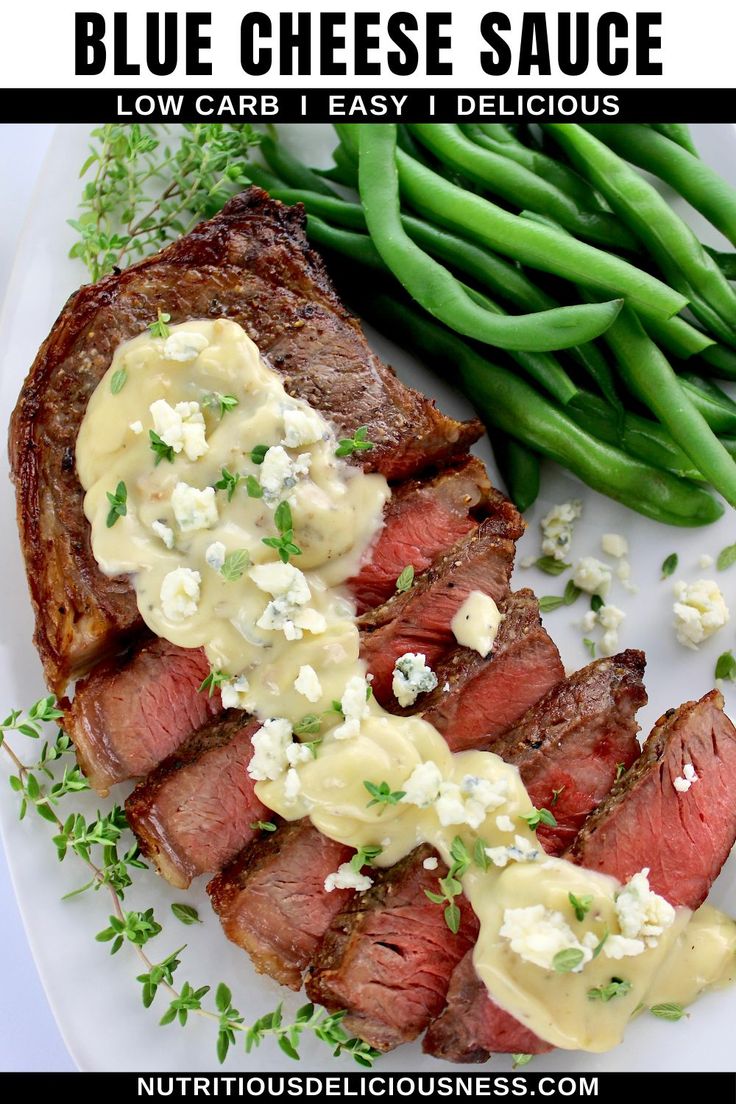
(418, 620)
(389, 948)
(422, 520)
(623, 836)
(575, 737)
(250, 263)
(272, 902)
(593, 712)
(480, 698)
(645, 810)
(195, 812)
(130, 714)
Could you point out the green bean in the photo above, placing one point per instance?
(637, 436)
(434, 287)
(677, 132)
(509, 403)
(649, 375)
(290, 169)
(519, 468)
(563, 177)
(542, 367)
(537, 246)
(719, 361)
(671, 242)
(725, 261)
(715, 406)
(518, 185)
(698, 183)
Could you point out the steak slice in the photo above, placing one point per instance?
(250, 263)
(129, 714)
(195, 812)
(623, 836)
(272, 902)
(390, 948)
(571, 746)
(575, 738)
(418, 620)
(422, 519)
(477, 697)
(699, 827)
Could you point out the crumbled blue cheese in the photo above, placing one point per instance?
(184, 346)
(292, 786)
(412, 677)
(215, 554)
(643, 914)
(683, 783)
(422, 787)
(234, 693)
(307, 683)
(537, 934)
(269, 744)
(613, 544)
(288, 610)
(521, 850)
(557, 529)
(355, 708)
(505, 823)
(164, 533)
(302, 427)
(705, 561)
(476, 623)
(181, 427)
(194, 509)
(180, 593)
(347, 878)
(623, 572)
(592, 576)
(470, 801)
(700, 610)
(610, 619)
(431, 863)
(136, 427)
(279, 473)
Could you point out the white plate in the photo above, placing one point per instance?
(95, 996)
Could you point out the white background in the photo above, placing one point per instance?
(37, 44)
(35, 1042)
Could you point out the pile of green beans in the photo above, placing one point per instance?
(554, 284)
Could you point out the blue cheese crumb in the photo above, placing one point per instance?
(412, 677)
(347, 878)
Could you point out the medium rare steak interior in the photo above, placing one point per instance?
(251, 263)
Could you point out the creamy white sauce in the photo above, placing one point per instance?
(285, 640)
(476, 623)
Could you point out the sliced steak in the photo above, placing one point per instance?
(575, 738)
(571, 746)
(390, 949)
(418, 620)
(196, 811)
(271, 900)
(131, 713)
(250, 263)
(479, 698)
(684, 838)
(422, 520)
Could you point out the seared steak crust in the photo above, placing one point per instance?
(196, 811)
(271, 900)
(387, 956)
(250, 263)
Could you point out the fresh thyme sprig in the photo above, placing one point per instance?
(145, 185)
(83, 838)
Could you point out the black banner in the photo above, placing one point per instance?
(271, 105)
(608, 1088)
